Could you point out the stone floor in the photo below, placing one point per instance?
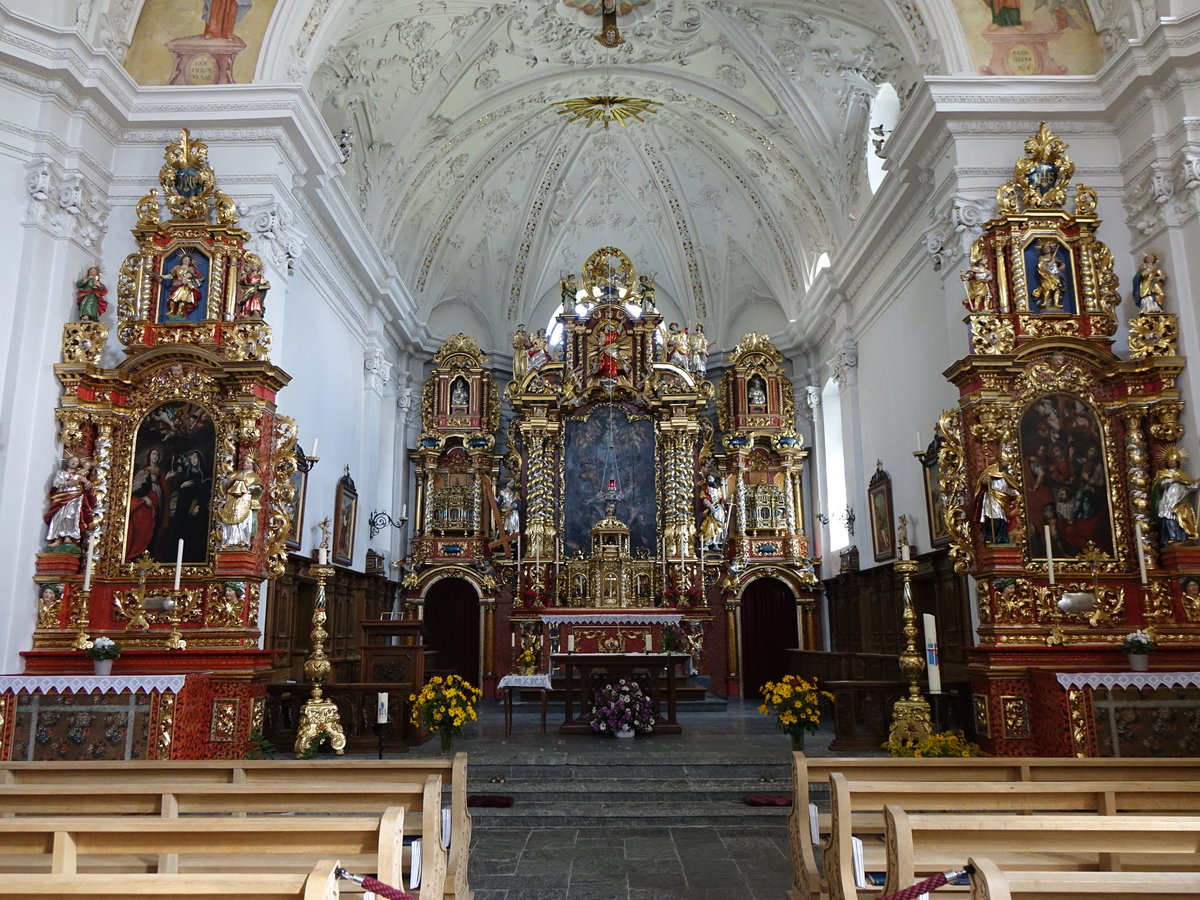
(633, 862)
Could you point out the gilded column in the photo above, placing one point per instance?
(1137, 465)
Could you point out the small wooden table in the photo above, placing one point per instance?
(523, 682)
(580, 668)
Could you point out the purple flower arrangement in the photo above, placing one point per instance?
(621, 706)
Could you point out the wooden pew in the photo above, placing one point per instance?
(231, 809)
(810, 776)
(453, 773)
(317, 884)
(992, 882)
(918, 845)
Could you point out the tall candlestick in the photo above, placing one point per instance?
(1137, 539)
(931, 654)
(1049, 556)
(381, 708)
(178, 563)
(91, 560)
(314, 449)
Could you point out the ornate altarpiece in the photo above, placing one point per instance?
(1046, 466)
(189, 465)
(608, 509)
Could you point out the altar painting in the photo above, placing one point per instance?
(1066, 483)
(170, 491)
(633, 455)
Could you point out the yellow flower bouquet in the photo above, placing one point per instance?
(445, 705)
(796, 705)
(526, 661)
(942, 745)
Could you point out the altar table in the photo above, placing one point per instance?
(509, 683)
(587, 671)
(1117, 714)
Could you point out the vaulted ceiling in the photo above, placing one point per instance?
(751, 167)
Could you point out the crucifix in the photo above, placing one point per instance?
(609, 35)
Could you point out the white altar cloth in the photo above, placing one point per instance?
(526, 681)
(89, 684)
(1139, 680)
(613, 618)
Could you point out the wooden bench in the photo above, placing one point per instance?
(231, 809)
(331, 774)
(992, 882)
(810, 777)
(318, 884)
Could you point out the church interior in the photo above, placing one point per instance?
(356, 343)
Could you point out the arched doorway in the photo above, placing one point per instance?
(768, 632)
(452, 629)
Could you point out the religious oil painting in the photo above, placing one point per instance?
(345, 509)
(935, 502)
(171, 483)
(296, 510)
(1065, 475)
(1030, 37)
(609, 452)
(883, 526)
(198, 41)
(183, 287)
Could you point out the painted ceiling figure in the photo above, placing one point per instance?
(220, 16)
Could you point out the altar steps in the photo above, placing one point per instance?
(604, 790)
(691, 691)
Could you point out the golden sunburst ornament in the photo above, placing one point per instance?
(607, 109)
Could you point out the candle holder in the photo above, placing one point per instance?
(319, 716)
(81, 620)
(910, 716)
(172, 600)
(137, 609)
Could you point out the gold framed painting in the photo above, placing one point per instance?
(935, 503)
(345, 511)
(296, 511)
(883, 523)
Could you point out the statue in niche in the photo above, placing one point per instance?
(1050, 286)
(756, 391)
(183, 296)
(1171, 499)
(714, 520)
(1148, 291)
(460, 394)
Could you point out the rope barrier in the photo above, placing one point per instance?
(373, 884)
(930, 884)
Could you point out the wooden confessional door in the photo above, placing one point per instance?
(768, 631)
(452, 630)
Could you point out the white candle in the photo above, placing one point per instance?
(1137, 540)
(1049, 556)
(91, 560)
(649, 642)
(931, 655)
(323, 556)
(178, 563)
(316, 441)
(381, 708)
(404, 511)
(920, 446)
(905, 552)
(513, 639)
(570, 643)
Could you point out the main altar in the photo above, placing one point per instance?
(629, 502)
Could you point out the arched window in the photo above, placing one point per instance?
(885, 112)
(835, 466)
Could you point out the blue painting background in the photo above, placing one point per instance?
(201, 262)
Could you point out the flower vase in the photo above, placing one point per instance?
(102, 666)
(797, 739)
(1139, 662)
(447, 738)
(624, 732)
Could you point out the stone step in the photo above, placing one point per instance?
(619, 772)
(581, 813)
(633, 790)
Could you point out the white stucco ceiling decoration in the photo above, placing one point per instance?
(749, 170)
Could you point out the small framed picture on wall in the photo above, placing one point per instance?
(883, 524)
(345, 511)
